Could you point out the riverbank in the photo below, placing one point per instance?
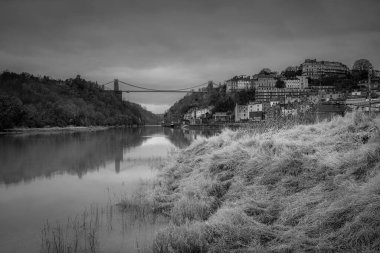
(49, 130)
(52, 130)
(305, 188)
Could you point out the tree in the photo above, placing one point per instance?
(290, 74)
(30, 101)
(243, 97)
(11, 112)
(280, 84)
(224, 105)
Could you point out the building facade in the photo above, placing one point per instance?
(265, 82)
(255, 107)
(241, 113)
(317, 69)
(300, 82)
(267, 95)
(255, 111)
(239, 83)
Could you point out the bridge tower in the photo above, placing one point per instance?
(116, 89)
(116, 85)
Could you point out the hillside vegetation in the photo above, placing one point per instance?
(217, 97)
(30, 101)
(308, 188)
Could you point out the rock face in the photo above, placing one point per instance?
(362, 64)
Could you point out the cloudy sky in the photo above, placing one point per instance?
(176, 44)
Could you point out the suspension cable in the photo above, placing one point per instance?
(150, 89)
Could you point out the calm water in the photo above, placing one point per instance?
(56, 177)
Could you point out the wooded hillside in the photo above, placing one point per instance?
(30, 101)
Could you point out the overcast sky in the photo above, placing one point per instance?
(176, 44)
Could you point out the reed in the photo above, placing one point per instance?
(76, 235)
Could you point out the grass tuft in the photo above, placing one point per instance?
(297, 188)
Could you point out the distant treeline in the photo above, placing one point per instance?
(34, 101)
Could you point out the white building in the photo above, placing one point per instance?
(300, 82)
(265, 82)
(255, 107)
(316, 69)
(239, 83)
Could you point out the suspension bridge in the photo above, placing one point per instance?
(136, 88)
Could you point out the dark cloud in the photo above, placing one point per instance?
(169, 44)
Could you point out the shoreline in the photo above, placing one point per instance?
(51, 130)
(68, 129)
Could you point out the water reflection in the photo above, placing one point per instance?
(23, 158)
(53, 177)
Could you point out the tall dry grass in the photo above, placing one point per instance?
(77, 235)
(304, 188)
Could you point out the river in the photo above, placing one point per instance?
(48, 180)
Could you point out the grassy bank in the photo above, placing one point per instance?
(306, 188)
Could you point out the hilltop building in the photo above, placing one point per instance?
(317, 69)
(300, 82)
(265, 82)
(239, 83)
